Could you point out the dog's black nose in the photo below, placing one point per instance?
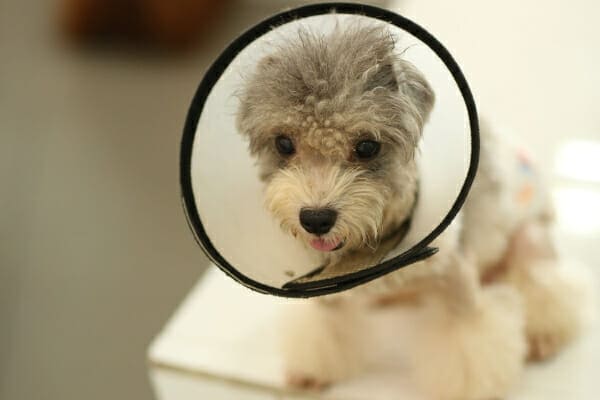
(317, 221)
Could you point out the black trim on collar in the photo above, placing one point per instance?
(419, 251)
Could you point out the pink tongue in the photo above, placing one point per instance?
(324, 245)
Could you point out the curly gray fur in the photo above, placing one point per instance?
(351, 80)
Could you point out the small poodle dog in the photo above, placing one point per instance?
(334, 121)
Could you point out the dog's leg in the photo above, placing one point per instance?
(466, 341)
(552, 298)
(321, 342)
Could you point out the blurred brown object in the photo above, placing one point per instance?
(163, 23)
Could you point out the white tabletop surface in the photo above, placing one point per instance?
(224, 339)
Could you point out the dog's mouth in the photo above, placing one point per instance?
(326, 244)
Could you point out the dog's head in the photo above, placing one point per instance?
(334, 121)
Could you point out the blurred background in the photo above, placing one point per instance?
(95, 253)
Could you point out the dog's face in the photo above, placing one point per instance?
(334, 122)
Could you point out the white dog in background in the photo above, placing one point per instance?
(334, 121)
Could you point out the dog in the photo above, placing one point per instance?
(334, 121)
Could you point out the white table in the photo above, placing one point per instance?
(222, 344)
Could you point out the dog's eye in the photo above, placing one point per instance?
(367, 149)
(284, 145)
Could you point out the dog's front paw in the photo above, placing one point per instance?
(469, 355)
(321, 344)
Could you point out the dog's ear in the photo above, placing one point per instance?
(247, 96)
(413, 84)
(381, 75)
(402, 76)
